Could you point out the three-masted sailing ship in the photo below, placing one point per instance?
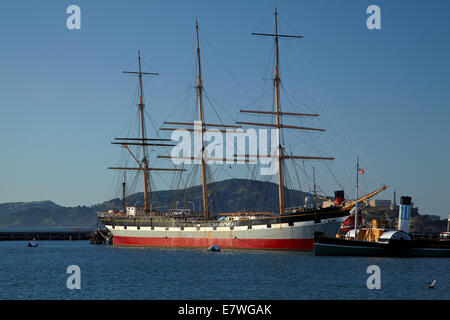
(288, 229)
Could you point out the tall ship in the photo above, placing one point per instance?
(288, 228)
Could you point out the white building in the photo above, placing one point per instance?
(378, 203)
(135, 211)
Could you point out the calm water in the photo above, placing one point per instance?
(152, 273)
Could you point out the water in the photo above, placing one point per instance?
(155, 273)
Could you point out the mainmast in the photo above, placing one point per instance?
(280, 156)
(200, 110)
(203, 157)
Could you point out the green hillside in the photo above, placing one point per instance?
(227, 196)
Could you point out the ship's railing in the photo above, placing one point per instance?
(445, 236)
(186, 215)
(175, 213)
(425, 236)
(108, 214)
(243, 215)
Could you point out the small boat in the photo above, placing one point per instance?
(33, 243)
(214, 248)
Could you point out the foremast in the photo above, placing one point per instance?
(143, 141)
(144, 162)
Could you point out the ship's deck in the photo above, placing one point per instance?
(247, 219)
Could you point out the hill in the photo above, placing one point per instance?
(225, 196)
(229, 196)
(418, 223)
(12, 207)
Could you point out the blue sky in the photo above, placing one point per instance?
(382, 94)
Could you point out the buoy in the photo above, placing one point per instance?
(431, 286)
(214, 248)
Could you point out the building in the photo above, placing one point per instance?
(446, 235)
(378, 203)
(135, 211)
(394, 202)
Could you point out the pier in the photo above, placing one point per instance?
(39, 235)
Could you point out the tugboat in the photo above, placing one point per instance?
(383, 243)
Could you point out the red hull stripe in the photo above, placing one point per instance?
(285, 244)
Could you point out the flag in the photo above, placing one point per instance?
(361, 171)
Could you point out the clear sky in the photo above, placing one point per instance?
(382, 94)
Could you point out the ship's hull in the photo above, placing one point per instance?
(395, 248)
(293, 235)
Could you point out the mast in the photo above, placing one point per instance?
(276, 82)
(200, 109)
(144, 151)
(192, 127)
(142, 142)
(315, 191)
(356, 204)
(123, 193)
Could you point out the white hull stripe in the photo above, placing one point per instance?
(237, 228)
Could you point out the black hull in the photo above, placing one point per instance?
(395, 248)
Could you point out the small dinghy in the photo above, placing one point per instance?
(214, 248)
(431, 286)
(33, 244)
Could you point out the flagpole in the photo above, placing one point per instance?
(356, 206)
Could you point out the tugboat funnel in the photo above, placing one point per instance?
(404, 213)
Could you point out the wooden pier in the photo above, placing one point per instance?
(12, 235)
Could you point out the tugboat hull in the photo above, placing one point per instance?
(395, 248)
